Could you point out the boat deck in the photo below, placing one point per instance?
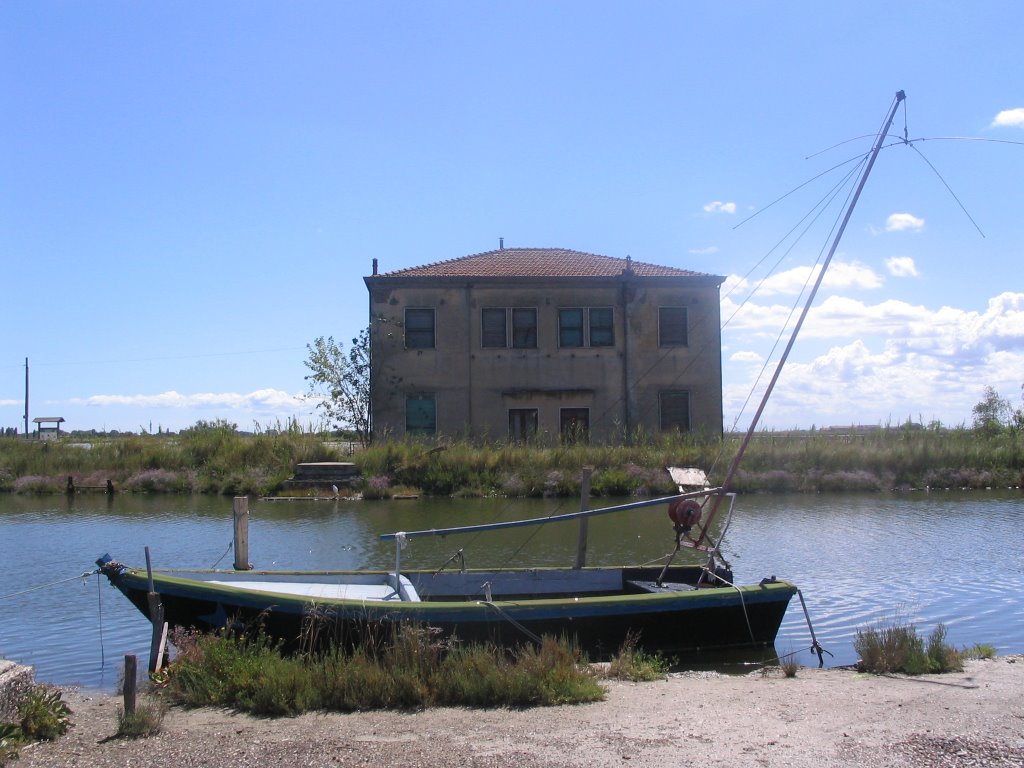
(326, 591)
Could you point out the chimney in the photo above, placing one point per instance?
(501, 243)
(375, 266)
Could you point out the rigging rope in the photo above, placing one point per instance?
(82, 576)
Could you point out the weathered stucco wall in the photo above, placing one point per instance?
(474, 387)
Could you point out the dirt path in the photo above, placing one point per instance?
(820, 718)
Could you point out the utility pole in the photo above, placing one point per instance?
(26, 398)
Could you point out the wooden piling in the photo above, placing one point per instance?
(581, 541)
(241, 507)
(131, 676)
(158, 642)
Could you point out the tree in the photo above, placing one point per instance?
(341, 383)
(993, 413)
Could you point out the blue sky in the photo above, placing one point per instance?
(191, 192)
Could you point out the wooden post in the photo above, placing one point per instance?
(581, 542)
(241, 506)
(158, 643)
(130, 682)
(156, 617)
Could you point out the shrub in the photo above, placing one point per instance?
(44, 715)
(632, 663)
(899, 648)
(38, 484)
(146, 720)
(410, 669)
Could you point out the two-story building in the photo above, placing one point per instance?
(524, 341)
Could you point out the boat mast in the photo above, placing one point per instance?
(727, 482)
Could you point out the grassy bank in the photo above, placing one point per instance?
(214, 458)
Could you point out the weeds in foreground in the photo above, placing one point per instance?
(980, 651)
(634, 664)
(146, 720)
(410, 670)
(899, 648)
(42, 716)
(789, 665)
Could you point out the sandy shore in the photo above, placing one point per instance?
(819, 718)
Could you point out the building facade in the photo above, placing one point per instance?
(524, 342)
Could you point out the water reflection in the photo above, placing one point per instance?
(928, 558)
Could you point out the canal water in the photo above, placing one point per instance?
(861, 560)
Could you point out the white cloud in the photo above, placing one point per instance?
(901, 266)
(262, 399)
(6, 403)
(900, 222)
(1011, 117)
(898, 361)
(704, 251)
(746, 357)
(717, 206)
(841, 276)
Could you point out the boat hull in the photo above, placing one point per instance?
(674, 619)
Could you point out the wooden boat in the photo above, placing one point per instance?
(667, 609)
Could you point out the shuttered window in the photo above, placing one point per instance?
(492, 331)
(602, 332)
(672, 327)
(570, 327)
(419, 329)
(524, 328)
(675, 410)
(420, 415)
(494, 322)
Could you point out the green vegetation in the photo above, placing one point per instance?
(216, 458)
(899, 648)
(789, 665)
(42, 716)
(412, 670)
(146, 720)
(636, 665)
(210, 457)
(980, 651)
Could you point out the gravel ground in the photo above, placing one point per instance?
(820, 718)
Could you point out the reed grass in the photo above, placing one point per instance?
(215, 458)
(899, 648)
(411, 670)
(146, 720)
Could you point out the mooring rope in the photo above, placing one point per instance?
(82, 576)
(743, 603)
(512, 621)
(230, 545)
(99, 606)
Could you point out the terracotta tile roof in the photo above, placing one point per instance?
(538, 262)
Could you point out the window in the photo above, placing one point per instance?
(522, 423)
(675, 410)
(524, 328)
(602, 332)
(574, 424)
(570, 327)
(672, 327)
(419, 329)
(494, 323)
(493, 331)
(598, 331)
(420, 415)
